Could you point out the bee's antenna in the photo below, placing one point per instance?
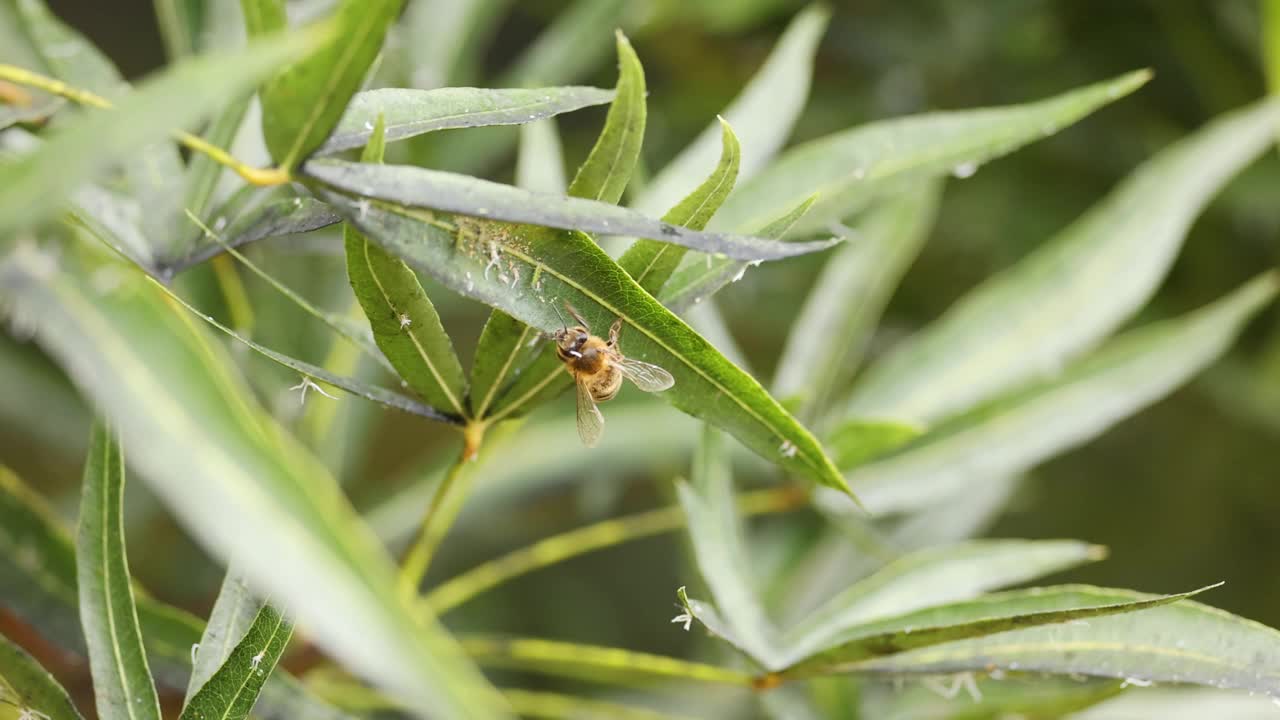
(563, 323)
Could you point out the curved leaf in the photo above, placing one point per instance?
(763, 113)
(409, 112)
(1048, 308)
(176, 394)
(276, 218)
(303, 104)
(650, 262)
(233, 613)
(122, 685)
(840, 312)
(415, 187)
(1014, 432)
(32, 187)
(548, 268)
(849, 168)
(607, 169)
(540, 162)
(27, 686)
(232, 691)
(1185, 642)
(856, 442)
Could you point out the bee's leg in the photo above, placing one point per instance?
(614, 330)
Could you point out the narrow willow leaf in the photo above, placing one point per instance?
(1271, 43)
(1181, 704)
(985, 616)
(1017, 431)
(32, 187)
(303, 104)
(591, 662)
(856, 442)
(204, 172)
(763, 113)
(177, 27)
(698, 281)
(411, 112)
(557, 706)
(849, 168)
(719, 548)
(449, 38)
(707, 614)
(607, 169)
(273, 219)
(232, 691)
(1007, 696)
(263, 17)
(1185, 642)
(233, 613)
(933, 577)
(540, 163)
(1029, 320)
(246, 485)
(842, 309)
(539, 270)
(27, 687)
(122, 685)
(151, 169)
(650, 262)
(573, 45)
(38, 570)
(417, 187)
(403, 319)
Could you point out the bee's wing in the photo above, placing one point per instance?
(649, 378)
(590, 421)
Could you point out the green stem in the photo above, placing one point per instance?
(442, 510)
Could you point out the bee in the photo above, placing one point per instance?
(598, 367)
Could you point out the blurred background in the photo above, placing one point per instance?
(1185, 493)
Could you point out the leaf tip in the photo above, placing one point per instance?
(1095, 553)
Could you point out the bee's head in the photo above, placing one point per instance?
(571, 338)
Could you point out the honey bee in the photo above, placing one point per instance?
(598, 367)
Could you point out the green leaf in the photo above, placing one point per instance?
(246, 485)
(1001, 697)
(273, 219)
(122, 685)
(233, 613)
(1047, 309)
(540, 163)
(1182, 704)
(1271, 43)
(263, 17)
(27, 686)
(303, 104)
(415, 187)
(549, 268)
(650, 262)
(409, 112)
(849, 168)
(764, 113)
(449, 39)
(177, 27)
(204, 172)
(404, 322)
(856, 442)
(32, 187)
(1184, 642)
(607, 169)
(38, 570)
(555, 706)
(933, 577)
(697, 281)
(830, 335)
(232, 691)
(985, 616)
(720, 550)
(1025, 427)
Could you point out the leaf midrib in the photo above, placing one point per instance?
(502, 373)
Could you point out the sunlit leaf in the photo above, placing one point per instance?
(1185, 642)
(122, 685)
(651, 262)
(1007, 695)
(763, 114)
(855, 442)
(842, 309)
(243, 472)
(1050, 307)
(411, 112)
(849, 168)
(303, 104)
(1181, 704)
(263, 17)
(415, 187)
(538, 270)
(1016, 431)
(232, 691)
(24, 685)
(33, 186)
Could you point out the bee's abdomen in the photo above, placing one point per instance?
(606, 384)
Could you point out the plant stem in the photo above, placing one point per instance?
(597, 536)
(251, 175)
(442, 510)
